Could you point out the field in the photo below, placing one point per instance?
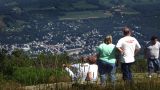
(19, 72)
(141, 82)
(85, 15)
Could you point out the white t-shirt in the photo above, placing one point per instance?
(84, 68)
(153, 50)
(128, 44)
(93, 68)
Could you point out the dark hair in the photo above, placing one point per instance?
(92, 59)
(153, 38)
(126, 30)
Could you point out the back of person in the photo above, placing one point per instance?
(93, 69)
(82, 70)
(107, 52)
(128, 44)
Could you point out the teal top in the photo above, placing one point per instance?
(107, 52)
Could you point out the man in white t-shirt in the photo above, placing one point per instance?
(128, 47)
(151, 53)
(87, 70)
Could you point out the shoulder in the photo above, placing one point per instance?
(86, 64)
(148, 44)
(121, 39)
(93, 66)
(158, 43)
(101, 45)
(113, 45)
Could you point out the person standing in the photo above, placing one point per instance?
(151, 53)
(106, 59)
(128, 47)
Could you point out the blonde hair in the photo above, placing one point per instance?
(108, 39)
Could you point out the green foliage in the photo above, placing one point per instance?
(8, 63)
(140, 66)
(46, 68)
(19, 58)
(31, 75)
(51, 61)
(59, 75)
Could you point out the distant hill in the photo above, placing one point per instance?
(70, 4)
(17, 12)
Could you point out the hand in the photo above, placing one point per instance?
(64, 65)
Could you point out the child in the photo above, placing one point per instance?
(86, 70)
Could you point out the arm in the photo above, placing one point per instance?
(145, 53)
(118, 57)
(89, 76)
(137, 48)
(66, 65)
(120, 50)
(71, 65)
(119, 46)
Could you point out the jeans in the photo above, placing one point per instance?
(153, 66)
(126, 71)
(106, 68)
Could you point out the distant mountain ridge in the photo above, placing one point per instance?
(63, 4)
(40, 23)
(14, 13)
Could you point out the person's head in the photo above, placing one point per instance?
(108, 39)
(83, 59)
(92, 59)
(126, 31)
(154, 39)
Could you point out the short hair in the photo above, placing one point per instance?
(108, 39)
(92, 59)
(154, 38)
(126, 31)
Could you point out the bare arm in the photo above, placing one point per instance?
(89, 76)
(120, 50)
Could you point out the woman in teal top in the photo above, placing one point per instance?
(106, 60)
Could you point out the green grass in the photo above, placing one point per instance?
(46, 73)
(85, 15)
(141, 82)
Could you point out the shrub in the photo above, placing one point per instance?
(59, 75)
(31, 75)
(140, 66)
